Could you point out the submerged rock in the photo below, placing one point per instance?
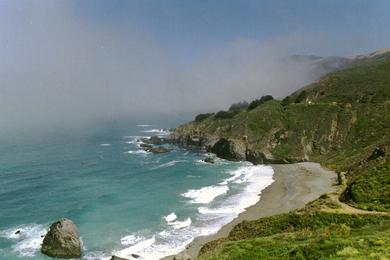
(158, 149)
(146, 146)
(62, 240)
(209, 159)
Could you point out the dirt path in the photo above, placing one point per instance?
(345, 208)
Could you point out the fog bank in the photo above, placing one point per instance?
(58, 70)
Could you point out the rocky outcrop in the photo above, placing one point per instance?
(156, 140)
(229, 149)
(62, 240)
(380, 151)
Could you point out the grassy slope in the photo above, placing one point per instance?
(305, 236)
(338, 121)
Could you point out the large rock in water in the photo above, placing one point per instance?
(62, 240)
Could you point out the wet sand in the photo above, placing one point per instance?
(294, 186)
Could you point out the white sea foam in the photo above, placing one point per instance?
(28, 241)
(105, 144)
(181, 224)
(136, 248)
(140, 151)
(98, 255)
(201, 162)
(171, 217)
(144, 125)
(149, 249)
(130, 240)
(168, 164)
(255, 178)
(161, 132)
(193, 176)
(206, 194)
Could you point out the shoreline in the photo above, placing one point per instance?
(294, 185)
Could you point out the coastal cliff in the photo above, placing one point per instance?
(341, 121)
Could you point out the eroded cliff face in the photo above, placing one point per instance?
(273, 133)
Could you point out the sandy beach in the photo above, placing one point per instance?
(294, 186)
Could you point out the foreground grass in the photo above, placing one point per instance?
(305, 235)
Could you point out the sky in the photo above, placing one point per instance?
(69, 64)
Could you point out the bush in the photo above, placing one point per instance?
(239, 106)
(301, 97)
(225, 114)
(202, 117)
(286, 101)
(257, 102)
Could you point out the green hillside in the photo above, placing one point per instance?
(340, 121)
(305, 236)
(343, 122)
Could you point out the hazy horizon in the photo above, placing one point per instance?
(73, 64)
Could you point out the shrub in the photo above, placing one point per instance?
(202, 117)
(225, 114)
(257, 102)
(286, 101)
(301, 96)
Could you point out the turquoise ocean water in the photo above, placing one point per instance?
(123, 200)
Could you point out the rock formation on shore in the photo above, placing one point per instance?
(62, 240)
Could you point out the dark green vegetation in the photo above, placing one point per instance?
(202, 117)
(370, 190)
(257, 102)
(341, 121)
(226, 114)
(299, 235)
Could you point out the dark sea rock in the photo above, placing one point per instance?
(209, 159)
(118, 258)
(146, 146)
(157, 149)
(156, 140)
(17, 232)
(228, 149)
(62, 240)
(135, 255)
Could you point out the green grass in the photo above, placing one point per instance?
(305, 236)
(370, 190)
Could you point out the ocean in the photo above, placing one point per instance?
(123, 200)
